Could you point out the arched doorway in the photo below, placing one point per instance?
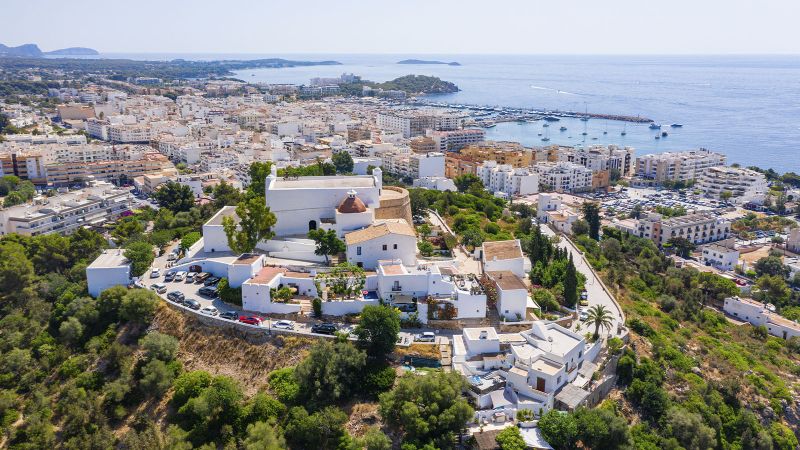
(312, 225)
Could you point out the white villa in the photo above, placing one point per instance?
(537, 369)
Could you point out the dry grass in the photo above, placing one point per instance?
(422, 350)
(222, 351)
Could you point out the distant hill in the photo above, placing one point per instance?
(25, 50)
(422, 61)
(73, 51)
(33, 51)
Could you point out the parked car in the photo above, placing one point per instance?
(159, 288)
(428, 336)
(324, 328)
(209, 311)
(201, 277)
(190, 277)
(230, 315)
(191, 303)
(284, 325)
(208, 291)
(180, 275)
(172, 257)
(155, 273)
(169, 276)
(251, 320)
(211, 281)
(176, 296)
(584, 302)
(584, 316)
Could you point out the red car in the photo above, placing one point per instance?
(251, 320)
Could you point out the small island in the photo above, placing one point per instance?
(410, 84)
(423, 61)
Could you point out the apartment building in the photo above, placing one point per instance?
(67, 212)
(416, 123)
(700, 228)
(601, 158)
(564, 176)
(414, 165)
(457, 165)
(677, 166)
(721, 255)
(511, 153)
(743, 185)
(453, 140)
(507, 179)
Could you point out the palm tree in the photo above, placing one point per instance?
(600, 317)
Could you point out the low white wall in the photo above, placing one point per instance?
(340, 308)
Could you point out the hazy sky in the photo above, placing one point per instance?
(406, 26)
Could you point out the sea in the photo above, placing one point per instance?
(747, 107)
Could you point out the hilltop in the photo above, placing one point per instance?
(74, 51)
(410, 84)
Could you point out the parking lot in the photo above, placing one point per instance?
(625, 201)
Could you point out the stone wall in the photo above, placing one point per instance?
(394, 206)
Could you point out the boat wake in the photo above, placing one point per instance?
(542, 88)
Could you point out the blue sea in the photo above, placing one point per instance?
(745, 106)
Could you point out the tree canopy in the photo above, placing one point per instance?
(255, 222)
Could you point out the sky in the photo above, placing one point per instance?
(407, 26)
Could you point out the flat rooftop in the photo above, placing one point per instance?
(332, 182)
(226, 211)
(109, 259)
(506, 280)
(474, 334)
(266, 275)
(247, 258)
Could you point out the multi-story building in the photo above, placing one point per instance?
(700, 228)
(511, 153)
(456, 139)
(456, 165)
(721, 255)
(742, 185)
(507, 179)
(416, 123)
(66, 213)
(564, 176)
(601, 158)
(677, 166)
(414, 165)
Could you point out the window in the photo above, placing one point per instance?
(385, 247)
(395, 246)
(358, 251)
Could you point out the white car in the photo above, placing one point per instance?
(284, 325)
(209, 311)
(155, 273)
(427, 336)
(584, 316)
(180, 276)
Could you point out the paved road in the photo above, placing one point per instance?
(597, 294)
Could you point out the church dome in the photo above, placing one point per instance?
(351, 204)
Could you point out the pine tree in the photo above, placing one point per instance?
(571, 285)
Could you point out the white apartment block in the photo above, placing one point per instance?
(760, 314)
(700, 228)
(600, 157)
(508, 179)
(677, 166)
(721, 255)
(66, 213)
(456, 139)
(564, 176)
(414, 165)
(744, 185)
(417, 123)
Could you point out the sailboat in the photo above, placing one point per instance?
(546, 137)
(586, 112)
(624, 130)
